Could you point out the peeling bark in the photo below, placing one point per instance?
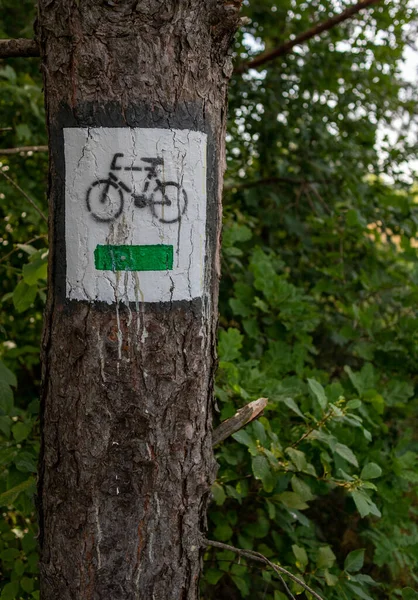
(127, 462)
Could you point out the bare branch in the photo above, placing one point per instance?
(20, 149)
(28, 198)
(288, 46)
(244, 416)
(18, 48)
(261, 558)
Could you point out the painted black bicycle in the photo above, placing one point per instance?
(167, 200)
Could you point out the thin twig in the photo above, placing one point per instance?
(245, 415)
(261, 558)
(18, 48)
(9, 254)
(313, 428)
(28, 198)
(288, 46)
(286, 588)
(20, 149)
(321, 200)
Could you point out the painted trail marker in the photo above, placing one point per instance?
(135, 214)
(134, 258)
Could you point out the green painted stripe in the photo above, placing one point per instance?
(157, 257)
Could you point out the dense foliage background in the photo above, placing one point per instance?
(318, 309)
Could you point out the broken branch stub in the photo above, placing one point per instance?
(243, 416)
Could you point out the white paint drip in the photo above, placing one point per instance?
(98, 531)
(144, 335)
(151, 539)
(157, 504)
(101, 356)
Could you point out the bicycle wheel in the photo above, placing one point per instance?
(104, 200)
(168, 202)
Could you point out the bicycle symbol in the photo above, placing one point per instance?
(167, 200)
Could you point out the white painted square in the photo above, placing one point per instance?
(101, 210)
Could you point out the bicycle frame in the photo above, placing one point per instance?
(140, 201)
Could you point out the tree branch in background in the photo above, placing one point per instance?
(261, 558)
(18, 48)
(286, 47)
(20, 149)
(241, 418)
(28, 198)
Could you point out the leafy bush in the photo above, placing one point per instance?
(318, 313)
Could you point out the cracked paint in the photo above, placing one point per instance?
(135, 187)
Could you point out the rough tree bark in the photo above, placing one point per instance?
(126, 459)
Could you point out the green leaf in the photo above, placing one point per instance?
(23, 133)
(244, 438)
(5, 425)
(261, 470)
(398, 392)
(301, 557)
(21, 431)
(212, 576)
(301, 488)
(371, 471)
(27, 584)
(7, 376)
(359, 591)
(365, 505)
(363, 380)
(236, 233)
(223, 532)
(23, 296)
(218, 493)
(10, 591)
(325, 558)
(260, 467)
(409, 594)
(7, 72)
(242, 585)
(353, 404)
(29, 543)
(290, 403)
(230, 344)
(6, 398)
(292, 500)
(318, 393)
(330, 579)
(354, 561)
(346, 453)
(10, 554)
(27, 248)
(355, 219)
(7, 498)
(25, 462)
(34, 271)
(19, 567)
(298, 458)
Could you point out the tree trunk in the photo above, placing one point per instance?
(136, 100)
